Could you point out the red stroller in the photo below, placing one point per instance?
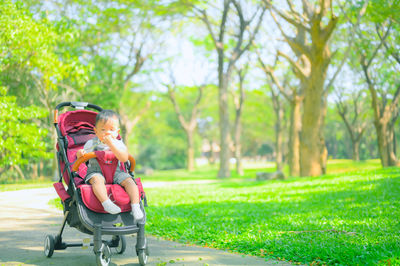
(82, 210)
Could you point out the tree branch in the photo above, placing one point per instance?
(181, 118)
(269, 72)
(297, 68)
(380, 45)
(295, 23)
(238, 51)
(296, 46)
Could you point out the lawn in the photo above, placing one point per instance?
(348, 218)
(337, 166)
(27, 184)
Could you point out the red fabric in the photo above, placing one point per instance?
(71, 121)
(77, 126)
(119, 195)
(60, 189)
(91, 201)
(140, 187)
(71, 156)
(108, 164)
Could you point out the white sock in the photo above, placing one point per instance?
(110, 207)
(137, 212)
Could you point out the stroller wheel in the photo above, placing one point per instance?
(121, 244)
(143, 256)
(49, 246)
(103, 258)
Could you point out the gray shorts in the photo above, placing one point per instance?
(94, 169)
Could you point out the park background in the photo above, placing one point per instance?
(221, 90)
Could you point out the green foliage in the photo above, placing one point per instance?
(161, 140)
(21, 139)
(27, 47)
(341, 219)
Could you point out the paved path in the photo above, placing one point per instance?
(26, 218)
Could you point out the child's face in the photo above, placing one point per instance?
(108, 127)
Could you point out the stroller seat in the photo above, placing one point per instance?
(108, 164)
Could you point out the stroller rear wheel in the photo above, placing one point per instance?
(121, 246)
(49, 246)
(103, 258)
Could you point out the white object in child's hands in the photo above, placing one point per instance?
(113, 134)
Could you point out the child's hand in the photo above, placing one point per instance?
(80, 153)
(108, 139)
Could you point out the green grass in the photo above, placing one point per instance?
(205, 172)
(347, 217)
(56, 203)
(26, 184)
(338, 219)
(210, 171)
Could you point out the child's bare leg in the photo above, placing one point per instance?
(99, 189)
(133, 192)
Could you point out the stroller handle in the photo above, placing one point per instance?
(90, 155)
(76, 105)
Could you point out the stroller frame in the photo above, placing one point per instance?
(77, 215)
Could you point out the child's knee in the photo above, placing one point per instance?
(129, 183)
(96, 179)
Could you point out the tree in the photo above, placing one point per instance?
(32, 65)
(353, 113)
(117, 39)
(21, 139)
(378, 64)
(188, 125)
(238, 99)
(293, 95)
(229, 48)
(313, 28)
(161, 143)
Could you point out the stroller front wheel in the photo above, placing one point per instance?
(49, 246)
(143, 256)
(103, 258)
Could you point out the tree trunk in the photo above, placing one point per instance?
(356, 150)
(19, 171)
(224, 154)
(385, 143)
(190, 150)
(294, 140)
(34, 174)
(311, 147)
(238, 155)
(211, 156)
(278, 135)
(239, 100)
(238, 146)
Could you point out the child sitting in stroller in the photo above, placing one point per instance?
(107, 130)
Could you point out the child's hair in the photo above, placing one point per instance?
(105, 115)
